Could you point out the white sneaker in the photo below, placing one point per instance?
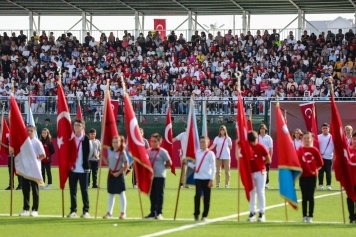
(204, 218)
(159, 217)
(226, 186)
(135, 186)
(320, 187)
(328, 187)
(85, 215)
(305, 219)
(266, 186)
(24, 213)
(34, 213)
(310, 219)
(48, 186)
(72, 215)
(261, 218)
(252, 217)
(41, 187)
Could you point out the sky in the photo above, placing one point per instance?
(128, 22)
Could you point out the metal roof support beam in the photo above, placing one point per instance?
(74, 25)
(238, 5)
(180, 4)
(299, 33)
(126, 5)
(136, 24)
(181, 24)
(293, 3)
(30, 17)
(39, 24)
(248, 21)
(197, 23)
(244, 24)
(91, 24)
(72, 5)
(233, 24)
(94, 26)
(287, 26)
(25, 8)
(305, 20)
(190, 25)
(352, 3)
(84, 26)
(143, 23)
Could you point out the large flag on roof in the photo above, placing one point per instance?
(65, 138)
(343, 173)
(26, 163)
(289, 167)
(4, 135)
(137, 150)
(167, 142)
(245, 151)
(192, 144)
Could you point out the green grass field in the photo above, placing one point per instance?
(222, 217)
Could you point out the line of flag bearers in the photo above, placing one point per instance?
(80, 154)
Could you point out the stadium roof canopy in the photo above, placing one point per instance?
(172, 7)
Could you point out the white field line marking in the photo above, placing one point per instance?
(185, 227)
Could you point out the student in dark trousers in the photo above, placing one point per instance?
(160, 161)
(11, 174)
(94, 160)
(147, 145)
(326, 147)
(80, 171)
(27, 184)
(310, 160)
(46, 140)
(351, 203)
(204, 177)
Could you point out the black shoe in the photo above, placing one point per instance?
(95, 186)
(8, 188)
(196, 218)
(352, 221)
(19, 187)
(150, 216)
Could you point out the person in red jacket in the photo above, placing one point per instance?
(311, 161)
(46, 140)
(352, 162)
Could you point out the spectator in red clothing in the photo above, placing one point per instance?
(311, 161)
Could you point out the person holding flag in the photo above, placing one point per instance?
(147, 145)
(80, 170)
(326, 147)
(311, 161)
(160, 161)
(258, 163)
(118, 164)
(349, 200)
(183, 138)
(223, 146)
(267, 142)
(204, 172)
(167, 140)
(94, 160)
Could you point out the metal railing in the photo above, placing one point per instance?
(120, 33)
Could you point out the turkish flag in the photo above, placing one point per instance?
(342, 168)
(137, 150)
(309, 115)
(4, 136)
(167, 142)
(67, 154)
(115, 107)
(245, 152)
(79, 112)
(160, 25)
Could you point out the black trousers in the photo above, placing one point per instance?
(327, 169)
(73, 185)
(134, 182)
(156, 196)
(307, 185)
(27, 185)
(202, 185)
(19, 178)
(267, 169)
(351, 208)
(94, 167)
(46, 168)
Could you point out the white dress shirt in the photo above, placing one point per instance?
(207, 166)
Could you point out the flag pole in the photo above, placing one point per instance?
(135, 163)
(341, 194)
(250, 117)
(60, 84)
(178, 194)
(101, 147)
(238, 76)
(12, 183)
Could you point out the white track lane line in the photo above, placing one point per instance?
(185, 227)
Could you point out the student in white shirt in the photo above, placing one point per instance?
(204, 177)
(223, 146)
(296, 135)
(183, 138)
(26, 183)
(326, 148)
(267, 142)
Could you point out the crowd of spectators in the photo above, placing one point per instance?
(166, 70)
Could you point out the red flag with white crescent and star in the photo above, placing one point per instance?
(309, 115)
(67, 154)
(167, 142)
(137, 150)
(343, 172)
